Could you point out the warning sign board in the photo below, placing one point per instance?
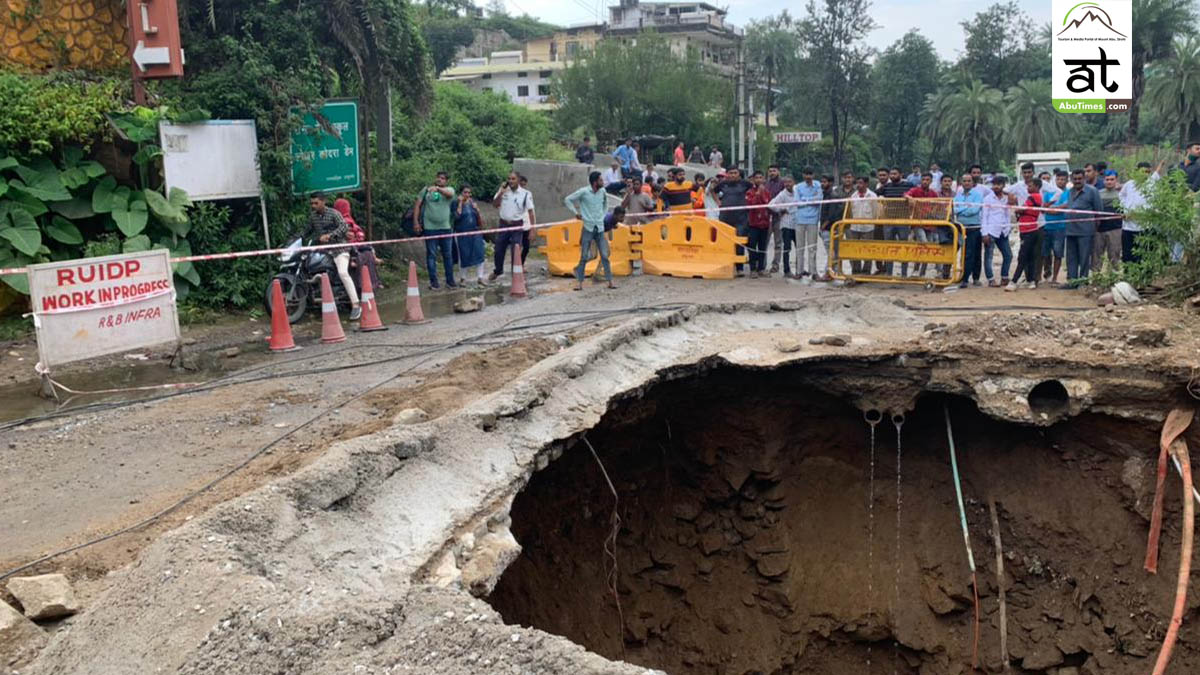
(94, 306)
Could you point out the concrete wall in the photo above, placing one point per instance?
(550, 182)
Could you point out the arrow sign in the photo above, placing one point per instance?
(150, 56)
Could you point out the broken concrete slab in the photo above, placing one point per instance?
(20, 638)
(45, 596)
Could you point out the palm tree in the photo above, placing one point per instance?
(974, 114)
(1033, 123)
(1173, 89)
(1155, 25)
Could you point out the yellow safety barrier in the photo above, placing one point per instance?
(690, 246)
(866, 238)
(562, 249)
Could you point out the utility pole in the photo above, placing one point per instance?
(740, 157)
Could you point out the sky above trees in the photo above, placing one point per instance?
(894, 17)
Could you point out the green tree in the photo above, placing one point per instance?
(834, 33)
(772, 47)
(1032, 124)
(1003, 47)
(974, 114)
(445, 35)
(625, 89)
(1156, 23)
(1174, 88)
(907, 71)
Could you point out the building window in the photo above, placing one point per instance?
(572, 49)
(487, 76)
(543, 90)
(545, 74)
(522, 74)
(523, 90)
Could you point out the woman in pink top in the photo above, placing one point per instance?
(679, 157)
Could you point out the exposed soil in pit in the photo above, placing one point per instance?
(746, 544)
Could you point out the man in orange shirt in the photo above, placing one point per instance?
(679, 156)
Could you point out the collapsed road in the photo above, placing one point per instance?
(694, 488)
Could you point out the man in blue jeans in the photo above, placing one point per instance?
(589, 204)
(432, 217)
(1054, 237)
(967, 208)
(515, 205)
(1081, 228)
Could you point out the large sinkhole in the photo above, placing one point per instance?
(752, 539)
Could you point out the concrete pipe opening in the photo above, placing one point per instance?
(750, 537)
(1049, 398)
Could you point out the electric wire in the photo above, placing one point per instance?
(584, 316)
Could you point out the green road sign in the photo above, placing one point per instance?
(324, 161)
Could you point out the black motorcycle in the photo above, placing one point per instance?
(299, 279)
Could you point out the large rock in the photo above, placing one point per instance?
(493, 554)
(46, 596)
(20, 638)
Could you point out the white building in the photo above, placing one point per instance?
(526, 84)
(685, 25)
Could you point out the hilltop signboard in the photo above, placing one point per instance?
(325, 152)
(797, 137)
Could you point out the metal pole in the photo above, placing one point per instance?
(750, 139)
(739, 157)
(262, 200)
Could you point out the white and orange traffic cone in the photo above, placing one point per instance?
(331, 323)
(518, 274)
(412, 303)
(281, 328)
(370, 311)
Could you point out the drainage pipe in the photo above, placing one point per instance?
(1179, 452)
(1178, 420)
(962, 515)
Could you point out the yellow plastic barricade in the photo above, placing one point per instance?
(562, 249)
(878, 232)
(690, 246)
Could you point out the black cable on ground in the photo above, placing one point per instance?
(588, 316)
(236, 378)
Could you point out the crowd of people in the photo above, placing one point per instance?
(1077, 218)
(1074, 220)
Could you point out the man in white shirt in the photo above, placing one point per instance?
(614, 180)
(936, 172)
(650, 176)
(864, 205)
(515, 205)
(715, 159)
(784, 204)
(995, 224)
(1133, 198)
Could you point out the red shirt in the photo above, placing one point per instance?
(760, 219)
(927, 210)
(1027, 218)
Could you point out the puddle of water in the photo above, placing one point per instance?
(441, 303)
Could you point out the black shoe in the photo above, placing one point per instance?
(451, 284)
(433, 286)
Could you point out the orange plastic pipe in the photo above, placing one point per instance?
(1178, 420)
(1179, 449)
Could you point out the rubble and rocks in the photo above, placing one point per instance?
(410, 416)
(831, 340)
(45, 596)
(20, 638)
(467, 305)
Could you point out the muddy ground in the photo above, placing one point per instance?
(101, 470)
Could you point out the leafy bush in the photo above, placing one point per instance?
(237, 282)
(42, 112)
(48, 211)
(1168, 245)
(471, 134)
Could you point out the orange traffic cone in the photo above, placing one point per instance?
(370, 311)
(412, 304)
(518, 274)
(331, 323)
(281, 328)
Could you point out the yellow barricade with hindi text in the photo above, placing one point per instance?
(877, 235)
(562, 249)
(690, 246)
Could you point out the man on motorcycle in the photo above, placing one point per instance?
(328, 227)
